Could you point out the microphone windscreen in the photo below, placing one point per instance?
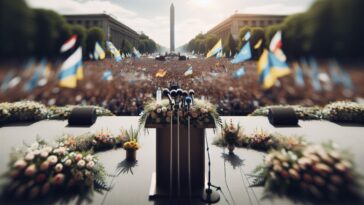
(192, 92)
(173, 93)
(179, 92)
(165, 92)
(188, 100)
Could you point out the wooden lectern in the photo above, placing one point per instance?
(160, 184)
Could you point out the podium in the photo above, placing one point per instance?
(160, 183)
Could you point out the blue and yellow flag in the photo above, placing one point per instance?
(115, 52)
(217, 48)
(239, 73)
(136, 53)
(107, 75)
(38, 72)
(340, 76)
(314, 75)
(270, 68)
(71, 70)
(99, 53)
(244, 54)
(299, 80)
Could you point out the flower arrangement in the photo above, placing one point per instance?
(132, 139)
(303, 113)
(230, 134)
(316, 171)
(202, 112)
(259, 140)
(60, 113)
(33, 111)
(41, 169)
(22, 111)
(100, 141)
(348, 112)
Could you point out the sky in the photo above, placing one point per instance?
(191, 16)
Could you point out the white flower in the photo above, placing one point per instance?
(34, 145)
(58, 167)
(30, 170)
(44, 153)
(52, 159)
(89, 158)
(164, 109)
(159, 110)
(36, 152)
(81, 163)
(90, 165)
(20, 164)
(29, 157)
(68, 162)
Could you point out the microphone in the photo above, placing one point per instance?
(184, 95)
(188, 101)
(192, 93)
(166, 93)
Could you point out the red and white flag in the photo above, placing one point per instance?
(276, 42)
(70, 43)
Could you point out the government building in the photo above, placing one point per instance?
(235, 22)
(115, 30)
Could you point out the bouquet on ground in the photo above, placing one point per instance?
(230, 135)
(132, 139)
(317, 171)
(42, 169)
(100, 141)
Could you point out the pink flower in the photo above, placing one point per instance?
(58, 167)
(78, 176)
(14, 173)
(58, 179)
(81, 163)
(45, 188)
(78, 157)
(34, 192)
(30, 170)
(44, 166)
(40, 178)
(44, 154)
(20, 164)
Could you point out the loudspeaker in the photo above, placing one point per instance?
(282, 116)
(84, 116)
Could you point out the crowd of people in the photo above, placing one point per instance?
(134, 83)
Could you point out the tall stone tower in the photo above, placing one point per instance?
(172, 28)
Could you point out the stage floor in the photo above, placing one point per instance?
(130, 185)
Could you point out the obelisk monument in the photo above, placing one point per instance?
(172, 28)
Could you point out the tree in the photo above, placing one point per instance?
(211, 40)
(16, 29)
(257, 34)
(94, 34)
(51, 32)
(230, 45)
(81, 33)
(126, 46)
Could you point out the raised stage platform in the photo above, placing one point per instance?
(131, 184)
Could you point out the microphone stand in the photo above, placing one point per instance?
(209, 195)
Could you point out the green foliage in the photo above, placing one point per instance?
(81, 33)
(94, 34)
(146, 45)
(230, 45)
